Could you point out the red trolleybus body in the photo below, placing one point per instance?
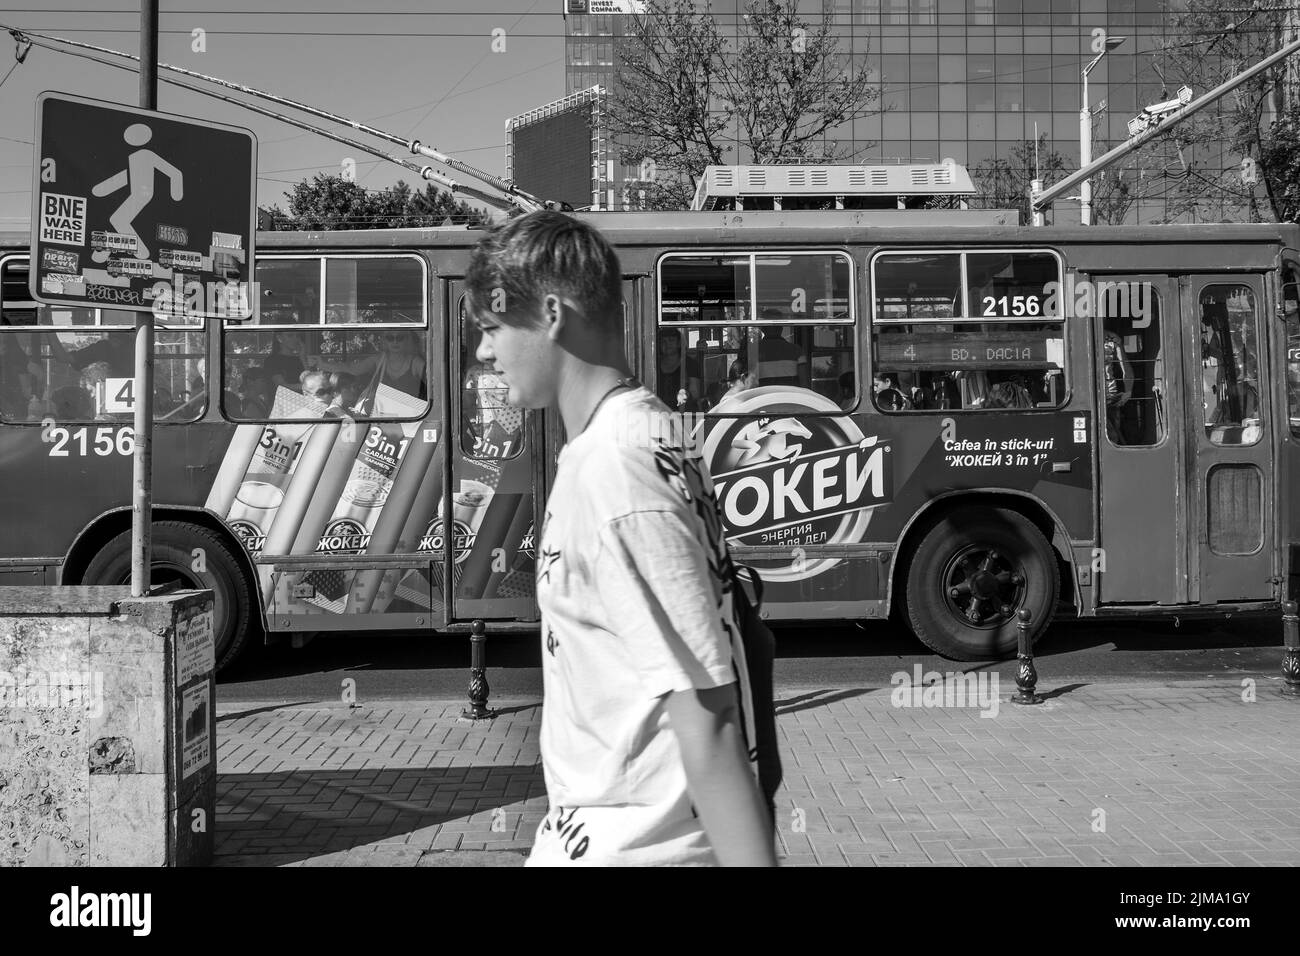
(950, 421)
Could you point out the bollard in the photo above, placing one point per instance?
(1291, 640)
(478, 683)
(1026, 675)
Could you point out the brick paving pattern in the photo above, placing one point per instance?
(1101, 774)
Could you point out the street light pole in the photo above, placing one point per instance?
(1085, 132)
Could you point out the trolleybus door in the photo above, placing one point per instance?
(495, 464)
(1232, 519)
(1186, 480)
(1287, 369)
(1143, 498)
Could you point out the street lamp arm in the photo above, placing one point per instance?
(1040, 200)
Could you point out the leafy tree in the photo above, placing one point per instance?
(690, 97)
(1003, 182)
(332, 202)
(1280, 159)
(1207, 43)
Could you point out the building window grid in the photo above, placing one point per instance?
(1035, 68)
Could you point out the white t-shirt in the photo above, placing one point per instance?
(632, 583)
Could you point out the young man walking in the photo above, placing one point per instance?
(646, 724)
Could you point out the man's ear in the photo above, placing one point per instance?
(558, 315)
(554, 317)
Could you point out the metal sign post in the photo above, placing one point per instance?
(142, 466)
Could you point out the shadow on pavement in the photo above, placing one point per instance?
(818, 698)
(235, 715)
(297, 815)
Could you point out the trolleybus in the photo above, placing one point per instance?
(903, 414)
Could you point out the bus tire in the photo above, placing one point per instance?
(173, 546)
(971, 573)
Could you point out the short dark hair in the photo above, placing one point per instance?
(517, 264)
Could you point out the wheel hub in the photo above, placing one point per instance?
(983, 586)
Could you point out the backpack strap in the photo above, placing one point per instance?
(755, 580)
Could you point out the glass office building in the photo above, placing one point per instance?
(962, 79)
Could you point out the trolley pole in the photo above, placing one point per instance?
(142, 469)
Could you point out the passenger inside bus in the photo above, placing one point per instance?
(677, 377)
(19, 378)
(115, 350)
(255, 396)
(740, 378)
(848, 396)
(780, 361)
(888, 397)
(398, 364)
(1230, 368)
(284, 366)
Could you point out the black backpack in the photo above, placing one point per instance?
(760, 660)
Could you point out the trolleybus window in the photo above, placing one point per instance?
(1291, 316)
(1132, 370)
(78, 365)
(489, 426)
(729, 323)
(359, 350)
(968, 330)
(1230, 365)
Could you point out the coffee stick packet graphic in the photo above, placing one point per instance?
(404, 523)
(317, 450)
(269, 467)
(511, 545)
(230, 474)
(490, 534)
(369, 483)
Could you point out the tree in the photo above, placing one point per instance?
(1003, 183)
(332, 202)
(689, 97)
(1280, 158)
(1206, 44)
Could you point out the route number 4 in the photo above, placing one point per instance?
(119, 395)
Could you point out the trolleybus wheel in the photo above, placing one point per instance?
(970, 574)
(174, 562)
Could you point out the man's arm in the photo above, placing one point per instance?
(722, 786)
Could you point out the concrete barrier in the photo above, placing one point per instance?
(108, 753)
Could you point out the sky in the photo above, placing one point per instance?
(422, 69)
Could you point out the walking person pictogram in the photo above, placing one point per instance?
(138, 178)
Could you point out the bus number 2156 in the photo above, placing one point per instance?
(105, 440)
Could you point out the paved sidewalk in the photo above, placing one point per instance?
(1101, 774)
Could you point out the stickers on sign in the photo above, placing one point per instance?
(51, 285)
(1080, 436)
(63, 219)
(227, 240)
(173, 234)
(1080, 421)
(60, 260)
(180, 259)
(195, 650)
(112, 241)
(130, 267)
(196, 717)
